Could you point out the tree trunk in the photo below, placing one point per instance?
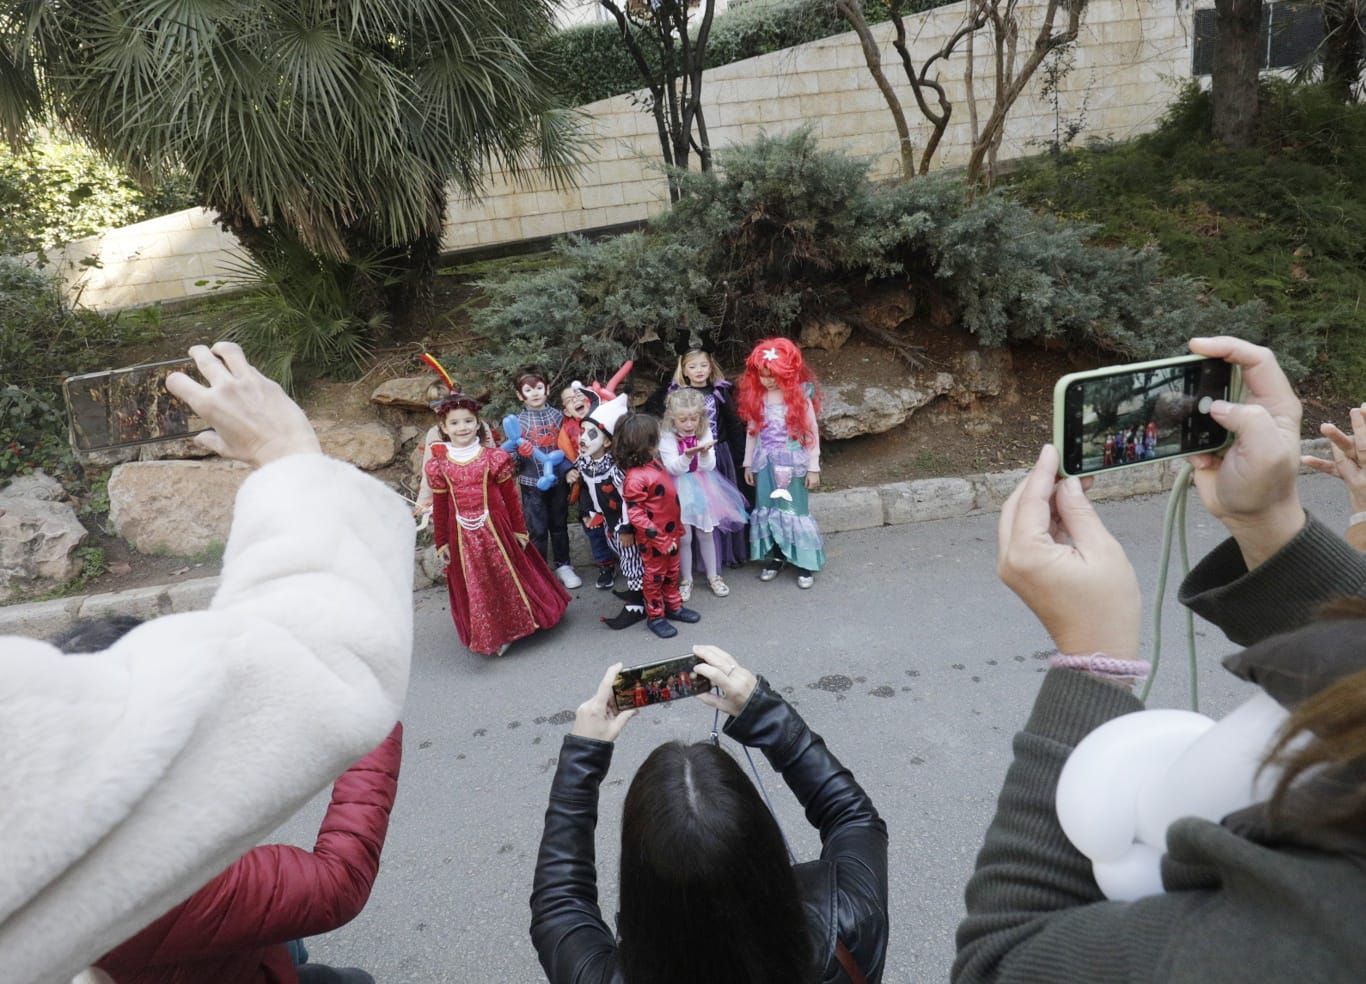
(852, 11)
(1344, 46)
(1238, 57)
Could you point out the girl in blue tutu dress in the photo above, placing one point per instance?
(707, 501)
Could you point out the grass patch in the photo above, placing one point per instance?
(1283, 223)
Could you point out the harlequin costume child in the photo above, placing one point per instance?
(778, 403)
(546, 512)
(652, 507)
(500, 588)
(601, 480)
(698, 370)
(577, 401)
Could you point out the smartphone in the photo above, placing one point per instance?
(1122, 416)
(656, 683)
(125, 407)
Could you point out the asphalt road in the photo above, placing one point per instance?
(909, 656)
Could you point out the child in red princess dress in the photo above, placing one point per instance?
(652, 507)
(500, 588)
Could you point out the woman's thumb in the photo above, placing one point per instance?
(1078, 516)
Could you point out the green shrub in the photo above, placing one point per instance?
(42, 339)
(295, 317)
(591, 63)
(59, 191)
(1282, 224)
(784, 229)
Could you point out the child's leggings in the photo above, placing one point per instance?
(706, 546)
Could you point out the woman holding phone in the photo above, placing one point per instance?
(700, 850)
(1273, 892)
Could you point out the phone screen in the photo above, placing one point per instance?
(1132, 415)
(656, 683)
(131, 406)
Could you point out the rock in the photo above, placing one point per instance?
(38, 485)
(106, 459)
(823, 332)
(405, 393)
(426, 570)
(174, 507)
(407, 435)
(37, 541)
(850, 410)
(367, 446)
(885, 307)
(983, 372)
(185, 447)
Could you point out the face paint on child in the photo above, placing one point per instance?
(592, 441)
(533, 395)
(697, 370)
(462, 427)
(574, 403)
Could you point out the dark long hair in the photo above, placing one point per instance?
(635, 442)
(707, 890)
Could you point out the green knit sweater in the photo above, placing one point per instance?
(1239, 907)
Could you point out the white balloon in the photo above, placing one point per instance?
(1098, 789)
(1216, 775)
(1135, 874)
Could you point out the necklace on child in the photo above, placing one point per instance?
(464, 455)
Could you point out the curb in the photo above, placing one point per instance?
(892, 504)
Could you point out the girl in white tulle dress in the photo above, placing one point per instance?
(707, 501)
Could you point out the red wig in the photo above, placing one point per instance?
(782, 358)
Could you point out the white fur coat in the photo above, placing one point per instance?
(130, 777)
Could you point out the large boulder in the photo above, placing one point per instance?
(174, 507)
(185, 447)
(38, 540)
(852, 410)
(367, 446)
(37, 485)
(823, 332)
(404, 393)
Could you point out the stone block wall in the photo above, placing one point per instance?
(1128, 63)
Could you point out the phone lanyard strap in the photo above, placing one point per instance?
(715, 739)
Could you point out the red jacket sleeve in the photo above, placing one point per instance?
(277, 893)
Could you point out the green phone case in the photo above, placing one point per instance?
(1060, 398)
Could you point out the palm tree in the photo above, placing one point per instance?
(336, 124)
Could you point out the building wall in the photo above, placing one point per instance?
(1130, 59)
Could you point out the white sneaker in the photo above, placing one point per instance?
(567, 576)
(805, 581)
(685, 590)
(718, 586)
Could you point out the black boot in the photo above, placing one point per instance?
(632, 611)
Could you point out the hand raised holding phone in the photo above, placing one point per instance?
(598, 717)
(252, 418)
(731, 683)
(1251, 488)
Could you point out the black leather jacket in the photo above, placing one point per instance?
(844, 893)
